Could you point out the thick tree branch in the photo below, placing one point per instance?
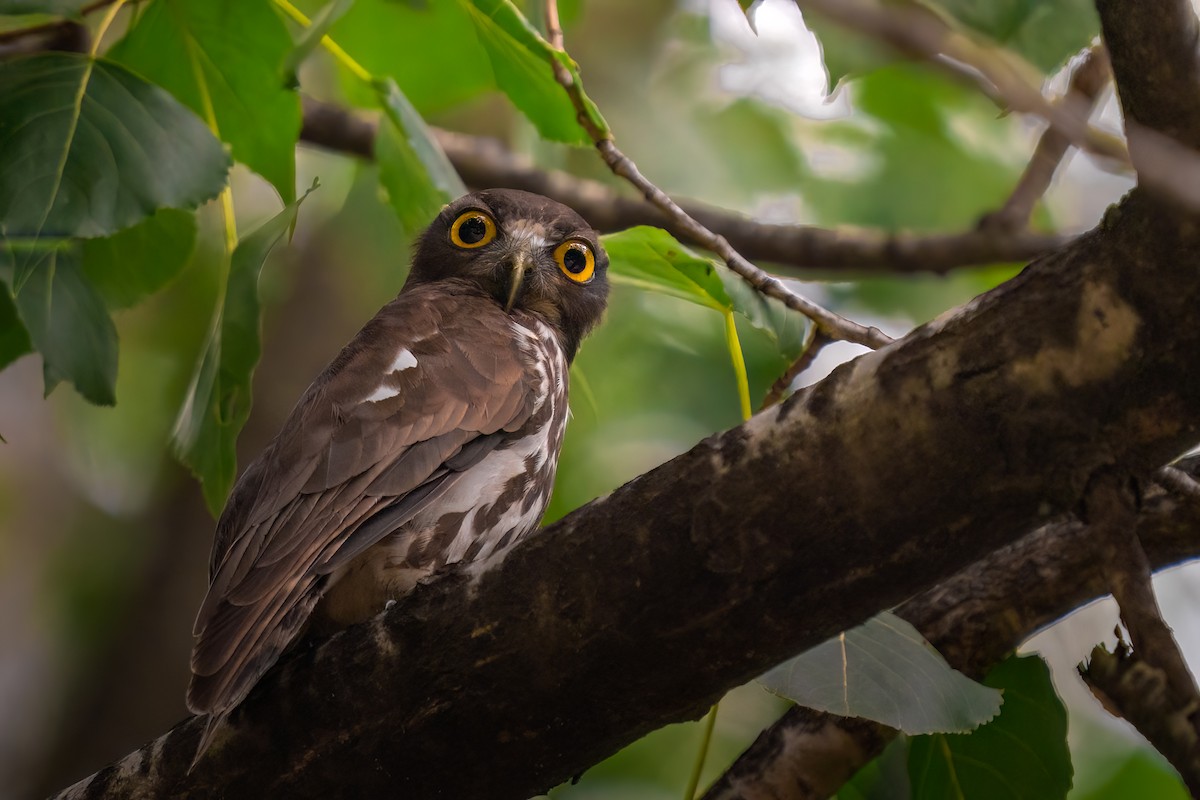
(901, 468)
(975, 619)
(484, 162)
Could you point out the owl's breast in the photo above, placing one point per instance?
(487, 508)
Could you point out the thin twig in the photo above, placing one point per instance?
(1088, 79)
(812, 348)
(833, 324)
(554, 31)
(1111, 511)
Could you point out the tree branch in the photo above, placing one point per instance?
(484, 162)
(974, 619)
(1088, 79)
(547, 662)
(1129, 686)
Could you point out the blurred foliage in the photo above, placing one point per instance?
(104, 163)
(1045, 34)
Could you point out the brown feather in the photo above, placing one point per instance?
(342, 450)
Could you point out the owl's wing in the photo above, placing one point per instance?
(428, 388)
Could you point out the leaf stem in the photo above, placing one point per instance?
(739, 363)
(710, 721)
(333, 47)
(105, 23)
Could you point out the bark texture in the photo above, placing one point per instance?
(975, 619)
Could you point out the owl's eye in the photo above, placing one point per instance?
(576, 261)
(472, 229)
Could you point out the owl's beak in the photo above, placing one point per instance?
(522, 260)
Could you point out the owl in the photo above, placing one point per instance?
(431, 439)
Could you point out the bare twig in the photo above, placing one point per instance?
(812, 348)
(484, 163)
(554, 32)
(1110, 509)
(832, 324)
(1088, 79)
(1128, 686)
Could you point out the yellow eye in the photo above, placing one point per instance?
(576, 261)
(472, 229)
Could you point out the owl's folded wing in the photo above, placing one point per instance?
(426, 389)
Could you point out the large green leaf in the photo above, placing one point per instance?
(522, 63)
(418, 177)
(231, 52)
(429, 48)
(652, 259)
(90, 148)
(129, 266)
(14, 339)
(66, 320)
(1020, 755)
(885, 671)
(218, 401)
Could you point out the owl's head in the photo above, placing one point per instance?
(527, 251)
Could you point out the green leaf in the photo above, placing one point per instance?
(218, 401)
(133, 264)
(231, 52)
(521, 61)
(652, 259)
(884, 670)
(90, 148)
(884, 777)
(1020, 754)
(1045, 32)
(310, 37)
(67, 322)
(429, 48)
(418, 177)
(14, 339)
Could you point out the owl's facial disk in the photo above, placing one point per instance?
(528, 252)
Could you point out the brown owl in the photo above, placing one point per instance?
(432, 438)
